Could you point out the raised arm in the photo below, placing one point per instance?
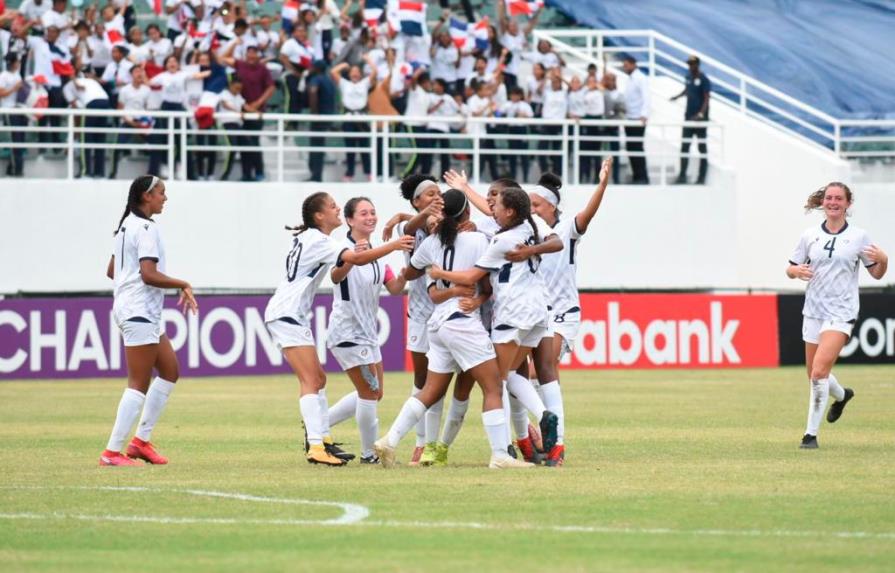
(460, 182)
(336, 72)
(583, 219)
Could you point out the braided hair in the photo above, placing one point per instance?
(140, 185)
(816, 199)
(516, 199)
(312, 205)
(456, 206)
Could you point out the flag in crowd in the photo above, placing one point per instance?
(412, 18)
(523, 7)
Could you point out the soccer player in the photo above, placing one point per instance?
(353, 336)
(287, 316)
(457, 339)
(138, 268)
(559, 273)
(520, 318)
(827, 258)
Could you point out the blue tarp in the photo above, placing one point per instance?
(835, 55)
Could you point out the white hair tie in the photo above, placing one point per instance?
(423, 185)
(546, 194)
(152, 184)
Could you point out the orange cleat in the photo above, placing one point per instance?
(138, 449)
(417, 454)
(528, 450)
(556, 456)
(108, 458)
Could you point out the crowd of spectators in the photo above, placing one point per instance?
(318, 57)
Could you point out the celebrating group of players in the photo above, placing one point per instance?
(487, 293)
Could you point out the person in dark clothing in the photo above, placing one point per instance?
(697, 89)
(321, 101)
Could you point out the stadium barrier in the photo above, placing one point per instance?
(45, 338)
(284, 136)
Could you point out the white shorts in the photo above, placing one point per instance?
(529, 338)
(812, 327)
(459, 345)
(417, 336)
(288, 334)
(356, 355)
(139, 331)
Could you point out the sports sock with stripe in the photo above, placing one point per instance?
(156, 398)
(817, 404)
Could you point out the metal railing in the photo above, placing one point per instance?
(663, 56)
(558, 145)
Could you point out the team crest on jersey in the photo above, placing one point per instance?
(146, 227)
(363, 352)
(413, 339)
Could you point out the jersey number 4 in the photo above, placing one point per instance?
(830, 246)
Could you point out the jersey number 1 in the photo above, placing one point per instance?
(830, 246)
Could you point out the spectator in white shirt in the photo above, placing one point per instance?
(637, 102)
(594, 106)
(614, 108)
(545, 55)
(133, 97)
(87, 93)
(445, 58)
(295, 56)
(33, 10)
(514, 40)
(160, 47)
(355, 95)
(10, 84)
(139, 51)
(117, 73)
(556, 106)
(46, 51)
(482, 105)
(79, 46)
(100, 53)
(517, 107)
(180, 12)
(442, 105)
(535, 88)
(232, 102)
(59, 18)
(419, 99)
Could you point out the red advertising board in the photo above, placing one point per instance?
(676, 331)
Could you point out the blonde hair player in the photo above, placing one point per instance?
(827, 258)
(138, 268)
(287, 316)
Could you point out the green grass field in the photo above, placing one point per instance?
(666, 471)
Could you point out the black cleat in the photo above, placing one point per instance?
(836, 409)
(371, 459)
(809, 442)
(334, 450)
(512, 452)
(548, 425)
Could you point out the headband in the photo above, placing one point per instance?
(546, 194)
(423, 185)
(461, 210)
(152, 184)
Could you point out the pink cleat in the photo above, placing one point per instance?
(108, 458)
(138, 449)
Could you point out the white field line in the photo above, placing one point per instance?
(355, 515)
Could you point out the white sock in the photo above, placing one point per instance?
(817, 405)
(454, 420)
(537, 386)
(343, 409)
(521, 388)
(368, 424)
(553, 402)
(411, 413)
(156, 399)
(836, 390)
(519, 418)
(324, 413)
(421, 425)
(433, 420)
(310, 413)
(495, 423)
(128, 409)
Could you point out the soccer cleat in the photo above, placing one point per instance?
(528, 450)
(415, 457)
(508, 464)
(441, 454)
(428, 456)
(384, 452)
(138, 449)
(108, 458)
(534, 434)
(548, 425)
(317, 454)
(556, 457)
(372, 459)
(333, 449)
(511, 451)
(809, 442)
(837, 407)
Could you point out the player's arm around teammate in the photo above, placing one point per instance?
(827, 257)
(137, 267)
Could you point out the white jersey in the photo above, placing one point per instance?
(559, 269)
(487, 226)
(137, 240)
(310, 257)
(832, 292)
(468, 248)
(356, 303)
(419, 305)
(520, 299)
